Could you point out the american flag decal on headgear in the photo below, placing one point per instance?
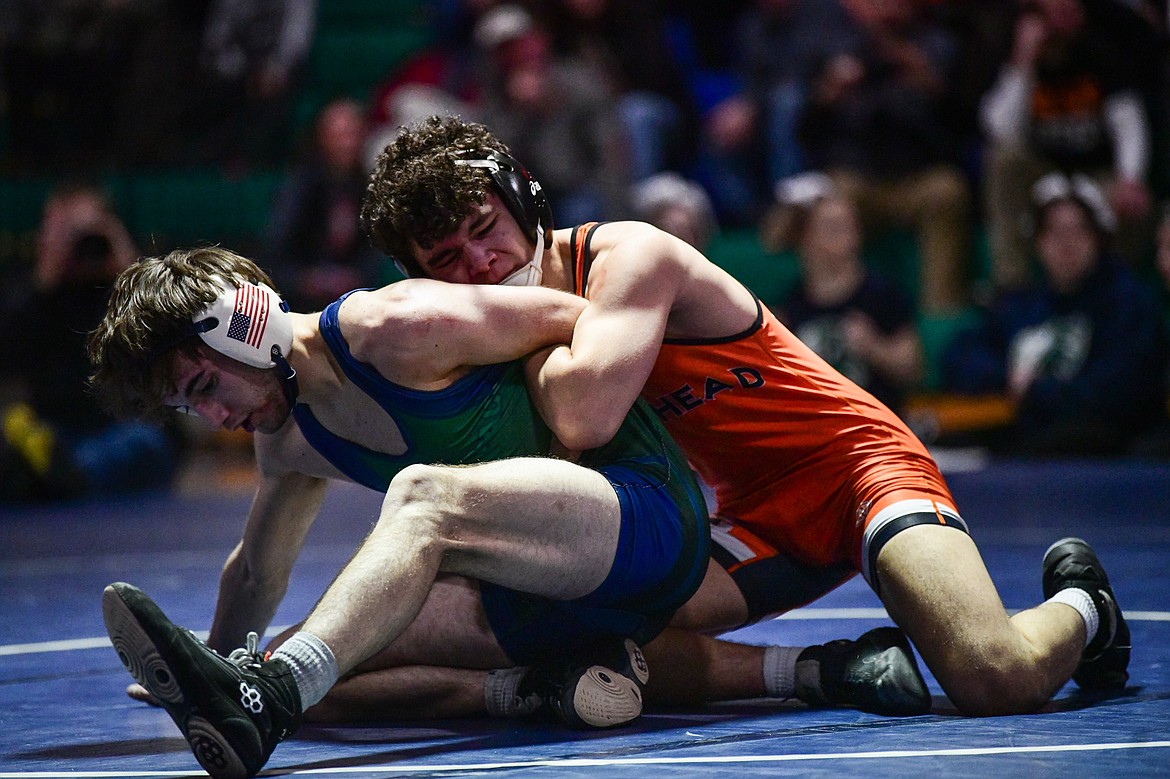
(250, 316)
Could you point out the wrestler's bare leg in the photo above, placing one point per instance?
(542, 526)
(437, 667)
(936, 587)
(688, 666)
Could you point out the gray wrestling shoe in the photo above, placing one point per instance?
(602, 691)
(232, 711)
(876, 673)
(1071, 562)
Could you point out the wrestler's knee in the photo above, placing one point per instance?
(424, 496)
(991, 679)
(419, 483)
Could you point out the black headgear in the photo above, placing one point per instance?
(521, 193)
(522, 196)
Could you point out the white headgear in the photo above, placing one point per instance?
(804, 189)
(249, 323)
(1079, 187)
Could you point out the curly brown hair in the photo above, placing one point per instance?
(417, 193)
(148, 321)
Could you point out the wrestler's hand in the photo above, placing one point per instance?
(140, 693)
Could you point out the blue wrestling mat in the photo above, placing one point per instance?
(63, 711)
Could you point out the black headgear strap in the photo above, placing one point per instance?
(521, 193)
(288, 378)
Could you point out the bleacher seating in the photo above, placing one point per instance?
(350, 61)
(356, 45)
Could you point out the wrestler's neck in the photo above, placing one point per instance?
(558, 262)
(318, 372)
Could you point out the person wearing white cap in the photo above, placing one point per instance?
(1082, 353)
(855, 318)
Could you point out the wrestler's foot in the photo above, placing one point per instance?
(876, 673)
(1071, 562)
(233, 712)
(602, 691)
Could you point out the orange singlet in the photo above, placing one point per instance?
(794, 451)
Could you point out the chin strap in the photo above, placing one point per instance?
(531, 274)
(288, 378)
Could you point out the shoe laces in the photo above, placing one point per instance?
(528, 698)
(528, 704)
(248, 655)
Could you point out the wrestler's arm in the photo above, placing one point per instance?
(585, 389)
(256, 575)
(419, 332)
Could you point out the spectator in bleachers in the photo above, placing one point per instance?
(874, 123)
(62, 65)
(444, 78)
(983, 32)
(159, 112)
(314, 246)
(56, 441)
(254, 52)
(858, 321)
(214, 82)
(557, 115)
(710, 29)
(403, 104)
(629, 43)
(1066, 99)
(751, 136)
(450, 67)
(676, 205)
(1083, 354)
(1155, 443)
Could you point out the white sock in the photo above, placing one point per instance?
(499, 692)
(313, 666)
(1080, 600)
(780, 670)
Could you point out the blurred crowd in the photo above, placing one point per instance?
(1032, 136)
(93, 84)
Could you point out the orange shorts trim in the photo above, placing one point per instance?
(770, 581)
(740, 546)
(892, 517)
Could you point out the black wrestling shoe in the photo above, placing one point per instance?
(598, 689)
(1071, 562)
(232, 711)
(876, 673)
